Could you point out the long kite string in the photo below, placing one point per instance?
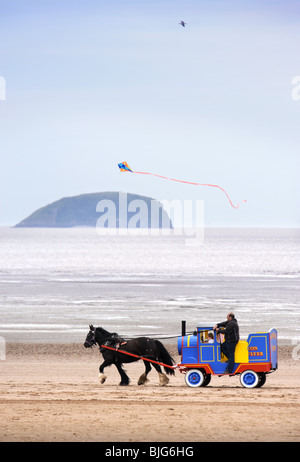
(197, 184)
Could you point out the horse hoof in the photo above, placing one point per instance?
(163, 380)
(124, 384)
(102, 378)
(142, 382)
(143, 379)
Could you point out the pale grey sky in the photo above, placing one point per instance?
(90, 84)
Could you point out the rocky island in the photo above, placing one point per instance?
(111, 209)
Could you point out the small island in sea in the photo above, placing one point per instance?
(110, 209)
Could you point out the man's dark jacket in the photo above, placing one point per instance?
(231, 330)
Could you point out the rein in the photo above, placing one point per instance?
(144, 358)
(93, 342)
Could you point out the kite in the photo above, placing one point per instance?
(124, 167)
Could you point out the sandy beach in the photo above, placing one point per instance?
(51, 393)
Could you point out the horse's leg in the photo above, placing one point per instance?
(124, 377)
(102, 376)
(163, 379)
(143, 378)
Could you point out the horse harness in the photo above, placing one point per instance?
(114, 341)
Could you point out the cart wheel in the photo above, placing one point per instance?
(206, 381)
(194, 378)
(262, 379)
(249, 379)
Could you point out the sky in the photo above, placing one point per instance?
(89, 84)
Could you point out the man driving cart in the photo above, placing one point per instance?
(230, 329)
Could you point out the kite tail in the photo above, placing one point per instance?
(196, 184)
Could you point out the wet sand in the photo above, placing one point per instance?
(51, 393)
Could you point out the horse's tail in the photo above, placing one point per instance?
(164, 357)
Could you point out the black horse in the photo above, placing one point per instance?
(141, 346)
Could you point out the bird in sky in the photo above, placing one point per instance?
(182, 23)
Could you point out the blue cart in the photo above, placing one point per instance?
(201, 357)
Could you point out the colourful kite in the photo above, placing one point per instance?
(124, 167)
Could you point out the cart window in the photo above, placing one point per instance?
(207, 336)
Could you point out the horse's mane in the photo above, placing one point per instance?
(104, 332)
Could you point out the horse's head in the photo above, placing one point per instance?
(90, 340)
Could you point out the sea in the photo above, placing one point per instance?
(55, 282)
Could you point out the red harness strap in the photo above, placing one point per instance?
(139, 357)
